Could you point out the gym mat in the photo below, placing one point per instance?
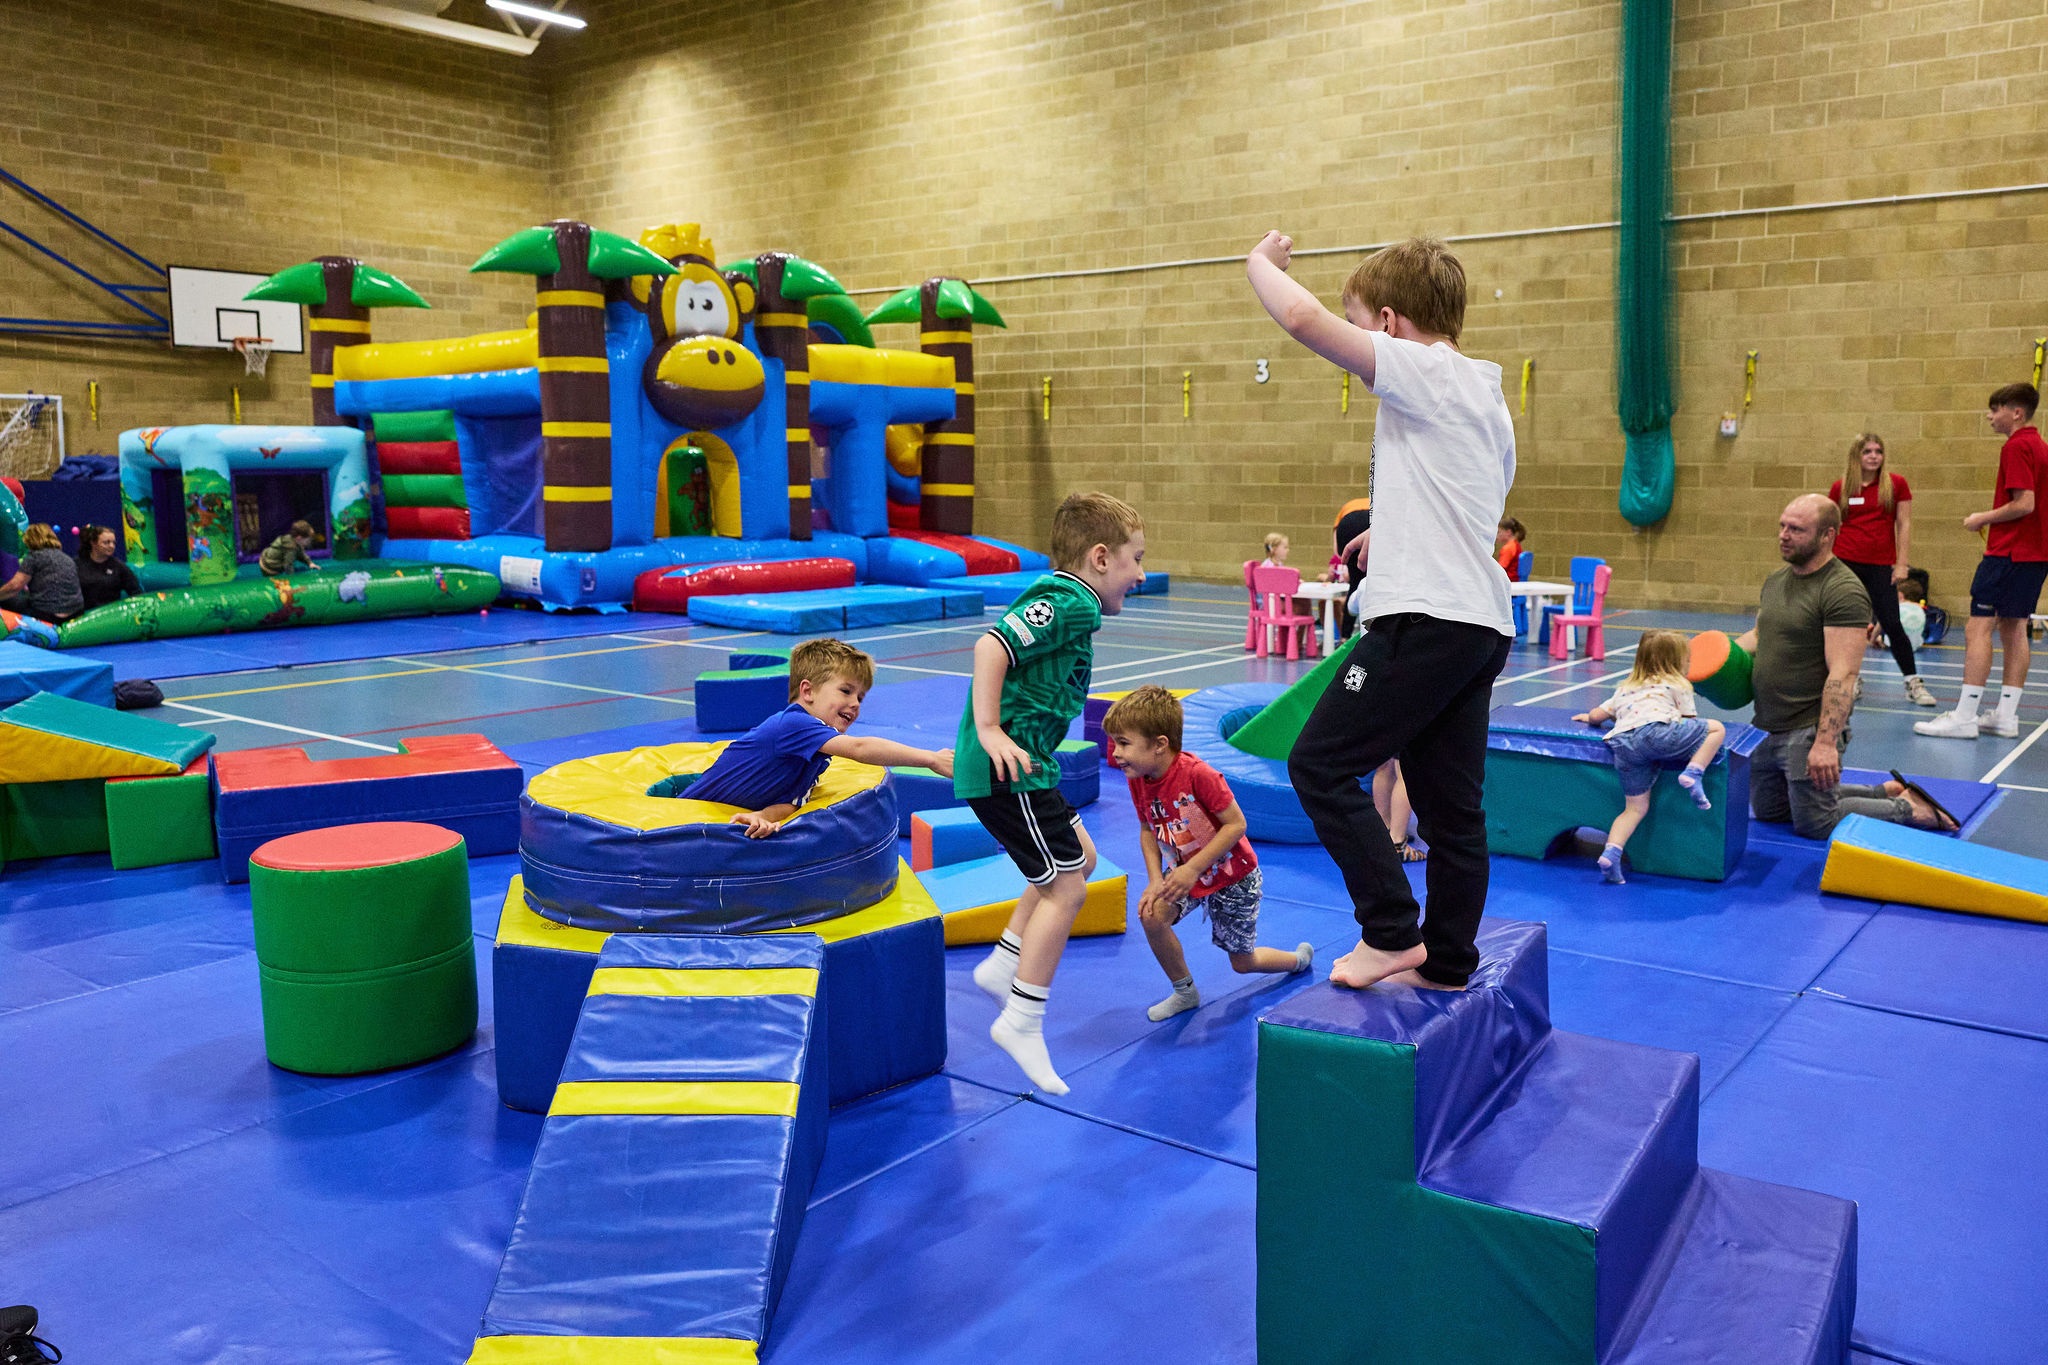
(818, 610)
(869, 1136)
(1959, 969)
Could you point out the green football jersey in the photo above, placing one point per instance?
(1049, 633)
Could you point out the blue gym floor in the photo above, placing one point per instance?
(167, 1196)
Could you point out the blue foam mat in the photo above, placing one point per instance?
(1964, 969)
(830, 609)
(1965, 800)
(26, 670)
(1936, 1132)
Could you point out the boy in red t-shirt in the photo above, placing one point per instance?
(2007, 587)
(1194, 847)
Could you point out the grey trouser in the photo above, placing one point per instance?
(1780, 790)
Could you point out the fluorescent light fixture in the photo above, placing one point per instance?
(535, 13)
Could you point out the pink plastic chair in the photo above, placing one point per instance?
(1254, 626)
(1277, 587)
(1596, 639)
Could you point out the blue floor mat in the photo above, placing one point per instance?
(1031, 1237)
(1962, 969)
(1964, 800)
(872, 1135)
(1936, 1132)
(1718, 1020)
(77, 920)
(819, 610)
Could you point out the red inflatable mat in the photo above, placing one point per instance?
(339, 848)
(419, 457)
(671, 589)
(287, 766)
(427, 523)
(980, 557)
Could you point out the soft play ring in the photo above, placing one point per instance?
(597, 852)
(1265, 795)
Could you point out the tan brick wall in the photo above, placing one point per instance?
(246, 136)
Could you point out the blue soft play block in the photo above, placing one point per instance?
(830, 609)
(482, 805)
(1001, 589)
(956, 836)
(1080, 772)
(679, 1223)
(739, 699)
(536, 994)
(919, 789)
(26, 670)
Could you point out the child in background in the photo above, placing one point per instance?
(284, 555)
(1031, 672)
(1194, 847)
(1912, 608)
(1655, 720)
(1507, 546)
(1276, 552)
(769, 771)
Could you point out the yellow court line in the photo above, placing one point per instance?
(437, 668)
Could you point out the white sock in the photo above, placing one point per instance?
(1304, 956)
(2009, 703)
(1185, 997)
(1020, 1031)
(995, 972)
(1967, 703)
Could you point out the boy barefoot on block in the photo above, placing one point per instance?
(1417, 682)
(1195, 849)
(1031, 675)
(770, 770)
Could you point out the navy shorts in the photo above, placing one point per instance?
(2007, 590)
(1637, 752)
(1038, 829)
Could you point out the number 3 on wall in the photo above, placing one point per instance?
(1260, 372)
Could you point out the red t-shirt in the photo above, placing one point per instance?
(2022, 463)
(1181, 808)
(1509, 557)
(1867, 534)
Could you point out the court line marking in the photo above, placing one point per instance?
(274, 725)
(485, 670)
(1167, 672)
(1571, 687)
(2018, 749)
(1225, 650)
(914, 668)
(424, 666)
(2020, 787)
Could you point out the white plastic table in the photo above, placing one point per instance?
(1540, 594)
(1330, 595)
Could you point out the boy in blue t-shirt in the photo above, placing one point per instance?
(770, 770)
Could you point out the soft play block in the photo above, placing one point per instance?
(886, 1004)
(1548, 775)
(53, 819)
(834, 609)
(979, 896)
(739, 698)
(460, 782)
(52, 738)
(157, 820)
(26, 670)
(672, 589)
(677, 1160)
(1885, 862)
(940, 838)
(1080, 772)
(919, 789)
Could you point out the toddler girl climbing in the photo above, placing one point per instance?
(1654, 721)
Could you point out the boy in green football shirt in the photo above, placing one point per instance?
(1030, 680)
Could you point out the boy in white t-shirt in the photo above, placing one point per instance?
(1418, 681)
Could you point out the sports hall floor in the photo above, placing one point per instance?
(166, 1196)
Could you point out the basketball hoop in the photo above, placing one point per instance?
(255, 353)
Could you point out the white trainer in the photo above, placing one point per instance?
(1917, 693)
(1989, 723)
(1948, 726)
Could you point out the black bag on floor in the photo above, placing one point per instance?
(137, 694)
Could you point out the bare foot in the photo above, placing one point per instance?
(1926, 816)
(1419, 981)
(1894, 788)
(1362, 966)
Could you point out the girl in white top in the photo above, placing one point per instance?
(1277, 546)
(1655, 721)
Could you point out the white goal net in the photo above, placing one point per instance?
(31, 434)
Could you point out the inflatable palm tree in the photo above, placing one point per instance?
(784, 285)
(945, 311)
(569, 260)
(340, 291)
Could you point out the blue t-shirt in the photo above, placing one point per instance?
(778, 760)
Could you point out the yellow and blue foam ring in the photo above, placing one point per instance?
(598, 852)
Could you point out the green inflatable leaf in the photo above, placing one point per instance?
(303, 283)
(374, 288)
(955, 300)
(530, 251)
(746, 270)
(613, 257)
(802, 279)
(985, 312)
(840, 314)
(901, 307)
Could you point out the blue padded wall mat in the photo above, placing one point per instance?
(1033, 1236)
(1962, 969)
(1936, 1132)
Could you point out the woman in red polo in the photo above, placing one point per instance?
(1877, 522)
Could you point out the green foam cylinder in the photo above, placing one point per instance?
(346, 1023)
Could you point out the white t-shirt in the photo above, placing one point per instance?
(1443, 459)
(1653, 703)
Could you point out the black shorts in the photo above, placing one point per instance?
(1038, 829)
(2005, 589)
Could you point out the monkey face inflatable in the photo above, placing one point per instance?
(699, 374)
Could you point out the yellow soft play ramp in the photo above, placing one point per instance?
(1902, 866)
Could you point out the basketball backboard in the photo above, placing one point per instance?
(208, 311)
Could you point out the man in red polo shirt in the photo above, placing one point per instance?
(2007, 587)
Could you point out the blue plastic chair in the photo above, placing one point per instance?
(1524, 566)
(1583, 567)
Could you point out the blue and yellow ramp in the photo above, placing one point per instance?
(1886, 862)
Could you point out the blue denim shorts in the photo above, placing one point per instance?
(1637, 752)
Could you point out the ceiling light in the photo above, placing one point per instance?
(535, 13)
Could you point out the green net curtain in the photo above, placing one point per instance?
(1642, 287)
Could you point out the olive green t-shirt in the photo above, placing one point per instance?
(1049, 634)
(1791, 644)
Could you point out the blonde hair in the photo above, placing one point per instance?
(1144, 713)
(40, 536)
(1274, 540)
(1852, 480)
(1086, 520)
(1419, 279)
(817, 662)
(1661, 656)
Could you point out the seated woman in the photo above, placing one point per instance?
(46, 585)
(101, 577)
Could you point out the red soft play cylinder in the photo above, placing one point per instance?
(419, 457)
(671, 589)
(427, 523)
